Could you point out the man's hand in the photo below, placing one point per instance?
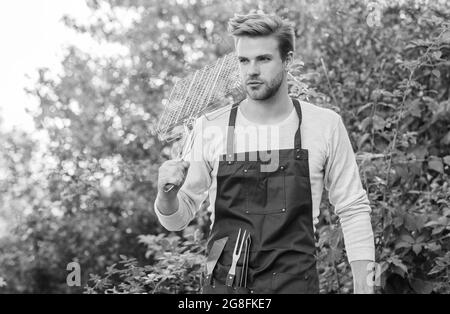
(173, 172)
(362, 277)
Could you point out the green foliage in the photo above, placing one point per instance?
(391, 85)
(87, 197)
(178, 264)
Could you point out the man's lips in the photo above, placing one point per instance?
(254, 83)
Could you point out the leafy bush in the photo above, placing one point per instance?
(391, 85)
(177, 268)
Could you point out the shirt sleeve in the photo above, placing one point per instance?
(195, 188)
(348, 196)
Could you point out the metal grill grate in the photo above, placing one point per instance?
(206, 90)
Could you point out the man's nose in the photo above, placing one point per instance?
(253, 69)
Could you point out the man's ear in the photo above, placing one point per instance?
(289, 60)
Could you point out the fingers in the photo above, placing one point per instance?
(172, 172)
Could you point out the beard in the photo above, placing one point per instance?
(265, 90)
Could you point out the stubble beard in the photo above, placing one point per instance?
(265, 91)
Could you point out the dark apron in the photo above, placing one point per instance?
(276, 208)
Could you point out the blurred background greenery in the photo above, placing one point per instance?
(88, 195)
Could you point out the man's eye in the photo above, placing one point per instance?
(243, 61)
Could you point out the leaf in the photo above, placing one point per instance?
(443, 221)
(437, 54)
(420, 152)
(364, 124)
(407, 238)
(165, 244)
(446, 139)
(402, 244)
(438, 230)
(2, 282)
(398, 221)
(387, 105)
(402, 267)
(400, 271)
(436, 164)
(411, 65)
(446, 212)
(384, 266)
(421, 238)
(111, 269)
(446, 160)
(334, 255)
(386, 93)
(433, 247)
(414, 108)
(420, 221)
(363, 139)
(431, 223)
(146, 239)
(435, 270)
(446, 37)
(417, 248)
(410, 222)
(364, 107)
(94, 277)
(175, 242)
(436, 73)
(421, 286)
(378, 123)
(436, 20)
(415, 112)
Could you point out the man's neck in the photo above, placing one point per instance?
(268, 111)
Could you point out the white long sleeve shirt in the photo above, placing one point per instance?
(332, 165)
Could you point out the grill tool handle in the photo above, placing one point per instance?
(168, 187)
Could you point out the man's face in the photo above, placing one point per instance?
(261, 66)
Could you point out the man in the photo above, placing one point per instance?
(274, 200)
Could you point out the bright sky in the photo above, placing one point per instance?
(32, 36)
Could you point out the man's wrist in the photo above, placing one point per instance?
(166, 205)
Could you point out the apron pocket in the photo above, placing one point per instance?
(218, 285)
(266, 194)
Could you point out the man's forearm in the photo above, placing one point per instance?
(362, 276)
(173, 214)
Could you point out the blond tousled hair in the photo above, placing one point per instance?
(260, 24)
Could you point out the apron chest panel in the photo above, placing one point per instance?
(276, 209)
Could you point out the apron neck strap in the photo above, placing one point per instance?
(298, 135)
(230, 134)
(232, 124)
